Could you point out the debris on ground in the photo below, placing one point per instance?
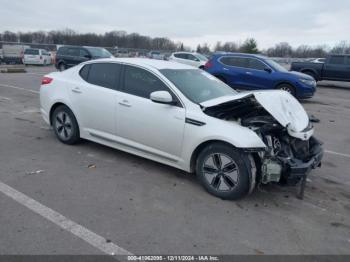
(314, 119)
(35, 172)
(92, 166)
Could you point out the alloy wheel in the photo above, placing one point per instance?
(220, 172)
(63, 125)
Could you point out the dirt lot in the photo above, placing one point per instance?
(148, 208)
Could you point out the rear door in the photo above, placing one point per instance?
(94, 98)
(336, 68)
(150, 127)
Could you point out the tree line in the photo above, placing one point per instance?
(122, 39)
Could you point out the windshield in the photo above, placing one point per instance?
(99, 52)
(197, 85)
(202, 57)
(276, 65)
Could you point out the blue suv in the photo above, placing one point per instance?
(256, 72)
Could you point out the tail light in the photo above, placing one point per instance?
(209, 64)
(46, 80)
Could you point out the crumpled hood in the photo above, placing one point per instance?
(280, 104)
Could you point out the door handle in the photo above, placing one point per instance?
(225, 69)
(249, 73)
(76, 90)
(125, 103)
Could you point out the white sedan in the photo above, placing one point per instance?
(183, 117)
(188, 58)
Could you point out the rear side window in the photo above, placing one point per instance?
(256, 64)
(140, 82)
(234, 61)
(73, 52)
(337, 60)
(84, 72)
(62, 51)
(182, 56)
(102, 74)
(31, 52)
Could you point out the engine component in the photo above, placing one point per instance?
(270, 171)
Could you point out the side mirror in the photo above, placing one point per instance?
(162, 97)
(88, 56)
(267, 69)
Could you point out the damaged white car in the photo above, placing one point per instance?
(183, 117)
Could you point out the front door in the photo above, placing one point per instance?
(147, 126)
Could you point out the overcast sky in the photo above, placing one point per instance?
(298, 22)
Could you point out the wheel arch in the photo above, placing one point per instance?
(57, 104)
(199, 149)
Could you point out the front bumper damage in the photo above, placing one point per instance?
(292, 170)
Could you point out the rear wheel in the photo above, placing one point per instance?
(223, 171)
(288, 88)
(62, 67)
(65, 125)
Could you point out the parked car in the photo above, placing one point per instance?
(1, 56)
(336, 68)
(34, 56)
(13, 54)
(256, 72)
(318, 60)
(155, 55)
(188, 58)
(68, 56)
(186, 118)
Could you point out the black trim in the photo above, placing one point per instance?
(194, 122)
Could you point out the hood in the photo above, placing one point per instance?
(279, 104)
(300, 75)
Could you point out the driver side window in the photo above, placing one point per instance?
(142, 83)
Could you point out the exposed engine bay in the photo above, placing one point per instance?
(289, 155)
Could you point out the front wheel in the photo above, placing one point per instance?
(224, 171)
(288, 88)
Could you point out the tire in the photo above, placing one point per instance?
(288, 88)
(65, 125)
(62, 67)
(224, 171)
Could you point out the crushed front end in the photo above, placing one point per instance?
(289, 156)
(291, 150)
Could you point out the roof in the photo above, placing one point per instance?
(146, 62)
(238, 54)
